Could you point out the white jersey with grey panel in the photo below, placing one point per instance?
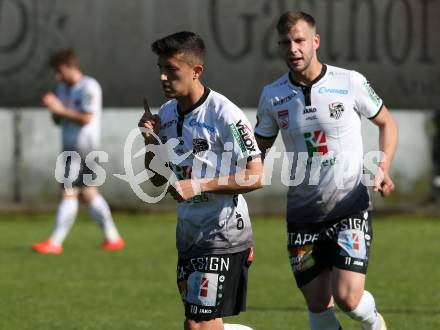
(321, 127)
(213, 130)
(84, 96)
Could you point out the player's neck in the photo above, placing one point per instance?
(188, 101)
(307, 76)
(76, 77)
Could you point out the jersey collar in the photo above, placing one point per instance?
(319, 77)
(196, 105)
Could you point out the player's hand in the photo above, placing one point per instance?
(150, 122)
(53, 103)
(185, 189)
(383, 183)
(173, 192)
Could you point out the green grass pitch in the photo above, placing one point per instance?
(86, 288)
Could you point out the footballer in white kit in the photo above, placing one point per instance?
(317, 108)
(85, 96)
(218, 223)
(76, 106)
(322, 120)
(209, 141)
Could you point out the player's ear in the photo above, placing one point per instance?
(197, 71)
(316, 41)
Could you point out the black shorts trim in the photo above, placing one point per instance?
(265, 137)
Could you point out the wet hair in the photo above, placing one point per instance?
(64, 56)
(187, 43)
(290, 18)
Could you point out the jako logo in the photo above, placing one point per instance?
(323, 90)
(309, 110)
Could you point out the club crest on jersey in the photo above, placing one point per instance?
(336, 110)
(200, 145)
(283, 118)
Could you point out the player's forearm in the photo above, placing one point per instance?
(56, 119)
(388, 134)
(75, 116)
(157, 180)
(242, 182)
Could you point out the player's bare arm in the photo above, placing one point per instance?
(58, 110)
(388, 133)
(264, 144)
(249, 179)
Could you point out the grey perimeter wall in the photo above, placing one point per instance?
(30, 144)
(394, 43)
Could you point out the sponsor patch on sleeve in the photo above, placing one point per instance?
(373, 96)
(243, 135)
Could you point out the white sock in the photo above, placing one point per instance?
(365, 312)
(100, 211)
(228, 326)
(324, 321)
(64, 219)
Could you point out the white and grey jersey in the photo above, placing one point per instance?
(214, 136)
(84, 96)
(321, 129)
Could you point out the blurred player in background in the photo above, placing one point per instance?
(214, 235)
(317, 109)
(77, 107)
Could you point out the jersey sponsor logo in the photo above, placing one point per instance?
(243, 135)
(200, 145)
(314, 117)
(283, 100)
(336, 109)
(283, 118)
(199, 124)
(373, 96)
(316, 141)
(168, 124)
(308, 110)
(202, 289)
(324, 90)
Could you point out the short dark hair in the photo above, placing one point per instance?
(64, 56)
(290, 18)
(184, 42)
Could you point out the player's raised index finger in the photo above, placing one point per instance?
(147, 107)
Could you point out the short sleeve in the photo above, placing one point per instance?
(266, 126)
(238, 131)
(91, 98)
(367, 102)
